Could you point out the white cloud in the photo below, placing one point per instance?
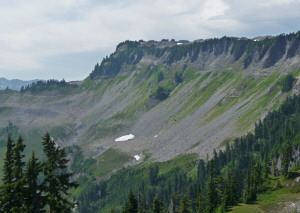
(33, 32)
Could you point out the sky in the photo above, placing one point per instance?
(47, 39)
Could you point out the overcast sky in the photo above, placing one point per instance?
(64, 39)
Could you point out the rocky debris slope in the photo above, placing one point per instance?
(213, 90)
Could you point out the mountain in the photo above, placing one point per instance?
(174, 96)
(14, 84)
(151, 112)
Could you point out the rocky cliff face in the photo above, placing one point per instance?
(174, 96)
(262, 53)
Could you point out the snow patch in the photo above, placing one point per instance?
(155, 136)
(137, 157)
(179, 43)
(55, 144)
(125, 138)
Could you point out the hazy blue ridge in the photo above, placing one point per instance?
(14, 84)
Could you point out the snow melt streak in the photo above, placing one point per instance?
(125, 138)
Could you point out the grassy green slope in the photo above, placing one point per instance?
(108, 161)
(283, 197)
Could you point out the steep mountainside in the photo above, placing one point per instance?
(174, 96)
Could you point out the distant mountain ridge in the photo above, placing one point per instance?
(14, 84)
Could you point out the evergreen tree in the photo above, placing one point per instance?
(225, 199)
(178, 78)
(250, 191)
(257, 176)
(140, 204)
(228, 153)
(161, 93)
(158, 206)
(33, 196)
(153, 174)
(175, 202)
(200, 202)
(57, 180)
(131, 205)
(267, 166)
(247, 188)
(212, 194)
(233, 191)
(201, 173)
(18, 176)
(258, 130)
(286, 159)
(160, 76)
(287, 84)
(229, 195)
(6, 190)
(274, 167)
(185, 205)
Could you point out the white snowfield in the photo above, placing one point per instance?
(137, 157)
(125, 138)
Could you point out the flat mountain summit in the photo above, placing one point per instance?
(174, 96)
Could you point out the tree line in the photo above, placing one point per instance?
(38, 185)
(45, 85)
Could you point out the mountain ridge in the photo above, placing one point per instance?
(14, 84)
(260, 52)
(213, 98)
